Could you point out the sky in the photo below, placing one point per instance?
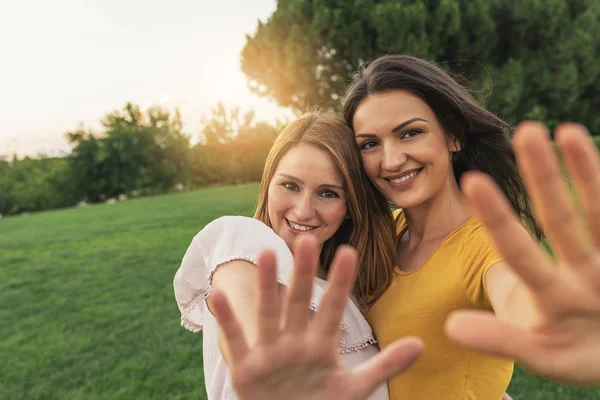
(66, 62)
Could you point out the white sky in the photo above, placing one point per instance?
(68, 61)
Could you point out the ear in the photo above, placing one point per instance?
(453, 144)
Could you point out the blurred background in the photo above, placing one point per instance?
(127, 125)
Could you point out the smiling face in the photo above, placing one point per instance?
(306, 195)
(405, 151)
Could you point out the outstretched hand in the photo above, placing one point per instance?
(557, 332)
(294, 356)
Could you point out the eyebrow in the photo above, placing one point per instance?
(326, 185)
(395, 129)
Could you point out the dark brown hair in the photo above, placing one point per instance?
(370, 228)
(483, 137)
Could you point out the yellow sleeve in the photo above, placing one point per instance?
(399, 220)
(478, 254)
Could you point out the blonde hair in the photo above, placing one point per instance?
(370, 228)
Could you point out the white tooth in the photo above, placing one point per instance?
(300, 227)
(403, 178)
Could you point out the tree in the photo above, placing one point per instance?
(28, 185)
(87, 163)
(138, 151)
(167, 156)
(524, 58)
(233, 146)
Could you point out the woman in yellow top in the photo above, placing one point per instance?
(418, 132)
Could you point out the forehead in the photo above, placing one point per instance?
(384, 111)
(311, 164)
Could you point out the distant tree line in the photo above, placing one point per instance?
(139, 153)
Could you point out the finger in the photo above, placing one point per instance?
(339, 284)
(298, 296)
(523, 254)
(583, 163)
(542, 353)
(484, 332)
(236, 343)
(269, 307)
(391, 361)
(549, 193)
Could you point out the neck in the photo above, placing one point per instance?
(439, 216)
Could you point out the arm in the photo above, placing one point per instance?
(503, 291)
(237, 280)
(489, 280)
(507, 295)
(549, 321)
(215, 257)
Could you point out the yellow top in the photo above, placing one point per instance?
(417, 304)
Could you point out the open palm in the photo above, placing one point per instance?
(555, 330)
(298, 358)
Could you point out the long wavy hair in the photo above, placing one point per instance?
(484, 138)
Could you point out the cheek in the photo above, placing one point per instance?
(433, 154)
(440, 147)
(335, 213)
(273, 207)
(441, 156)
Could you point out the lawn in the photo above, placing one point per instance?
(87, 308)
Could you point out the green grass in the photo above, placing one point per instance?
(87, 308)
(87, 304)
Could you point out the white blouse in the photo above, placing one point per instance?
(242, 238)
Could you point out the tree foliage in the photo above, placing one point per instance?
(233, 146)
(36, 184)
(136, 152)
(139, 153)
(524, 58)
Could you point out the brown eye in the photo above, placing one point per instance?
(412, 133)
(291, 186)
(330, 194)
(368, 145)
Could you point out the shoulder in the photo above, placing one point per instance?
(238, 230)
(230, 235)
(234, 222)
(477, 249)
(474, 237)
(477, 255)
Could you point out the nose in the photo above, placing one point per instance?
(305, 208)
(394, 157)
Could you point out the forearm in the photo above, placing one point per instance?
(237, 280)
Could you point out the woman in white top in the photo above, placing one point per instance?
(313, 189)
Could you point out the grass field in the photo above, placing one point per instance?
(87, 308)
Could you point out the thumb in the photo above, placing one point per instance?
(390, 362)
(483, 331)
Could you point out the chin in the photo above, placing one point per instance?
(405, 202)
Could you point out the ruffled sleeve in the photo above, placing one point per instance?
(223, 240)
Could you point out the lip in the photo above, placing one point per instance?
(405, 184)
(297, 231)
